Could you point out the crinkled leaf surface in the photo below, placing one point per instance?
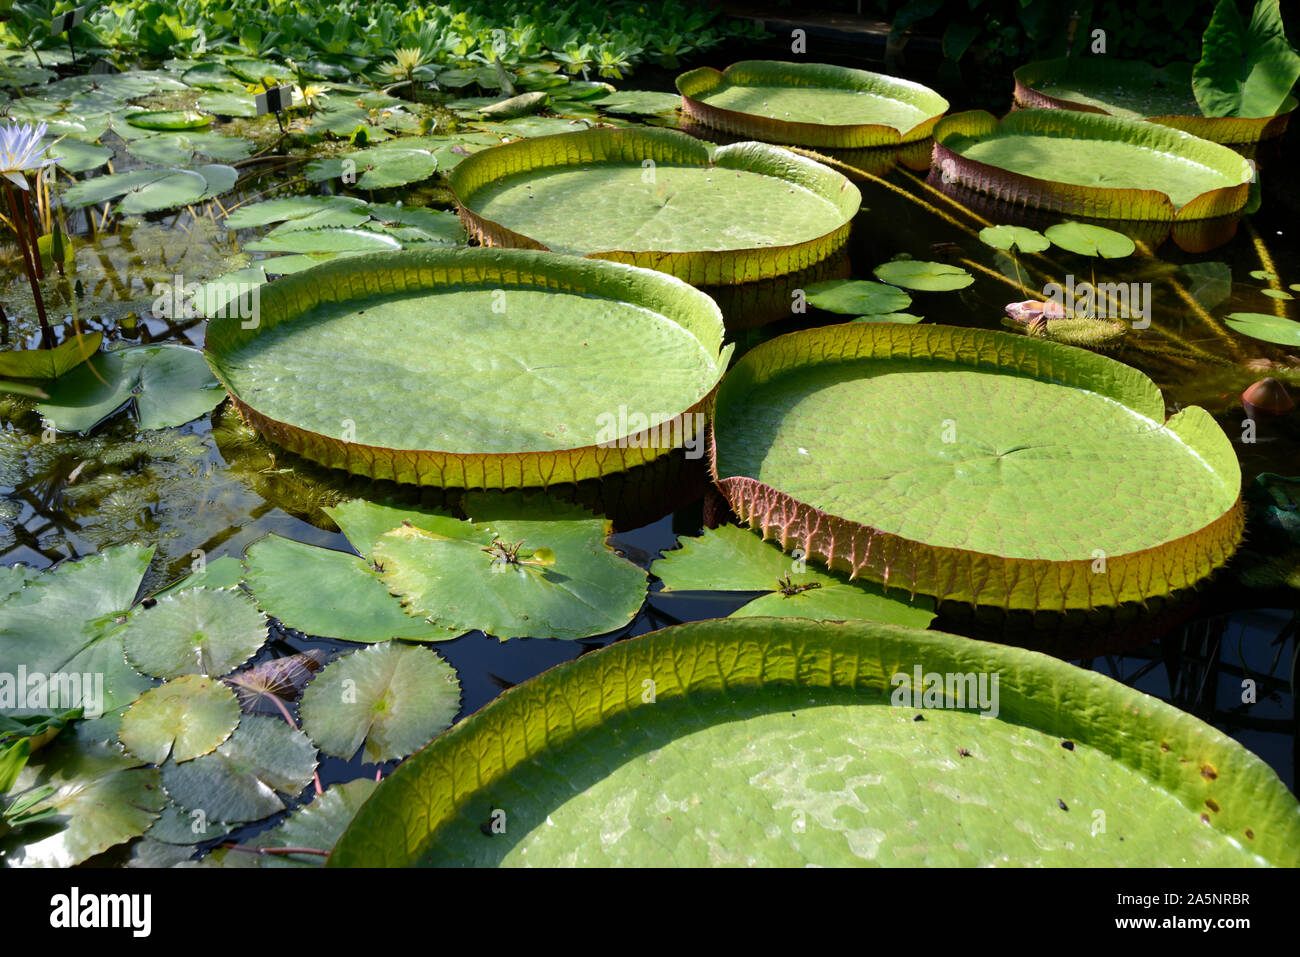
(324, 592)
(243, 779)
(197, 631)
(391, 697)
(729, 558)
(904, 454)
(583, 590)
(169, 385)
(785, 742)
(184, 718)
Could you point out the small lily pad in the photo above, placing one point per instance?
(317, 825)
(1007, 238)
(1277, 294)
(392, 697)
(1259, 325)
(169, 120)
(923, 276)
(857, 297)
(198, 631)
(185, 718)
(1089, 240)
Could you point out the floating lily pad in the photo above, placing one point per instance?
(643, 102)
(323, 241)
(1089, 240)
(316, 825)
(185, 718)
(923, 276)
(168, 384)
(289, 208)
(101, 798)
(197, 631)
(904, 458)
(767, 741)
(68, 621)
(393, 698)
(1259, 325)
(1092, 165)
(522, 568)
(228, 104)
(142, 190)
(169, 120)
(167, 149)
(77, 156)
(810, 104)
(46, 364)
(856, 296)
(319, 591)
(735, 559)
(660, 199)
(377, 168)
(243, 779)
(572, 328)
(363, 522)
(1014, 237)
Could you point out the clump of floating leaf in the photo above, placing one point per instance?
(315, 374)
(243, 779)
(815, 722)
(735, 559)
(1090, 165)
(393, 698)
(197, 631)
(328, 593)
(186, 717)
(1136, 90)
(305, 836)
(810, 104)
(661, 199)
(521, 568)
(966, 464)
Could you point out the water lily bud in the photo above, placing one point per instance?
(1267, 397)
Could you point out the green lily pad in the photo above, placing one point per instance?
(101, 798)
(393, 698)
(564, 582)
(1259, 325)
(905, 460)
(923, 276)
(1113, 168)
(363, 522)
(1008, 238)
(660, 199)
(767, 741)
(223, 572)
(323, 241)
(228, 104)
(1277, 294)
(570, 327)
(197, 631)
(439, 225)
(168, 384)
(289, 208)
(316, 825)
(643, 102)
(67, 621)
(177, 826)
(734, 559)
(77, 156)
(185, 718)
(319, 591)
(169, 149)
(377, 168)
(1088, 240)
(810, 104)
(142, 190)
(856, 296)
(46, 364)
(169, 120)
(243, 779)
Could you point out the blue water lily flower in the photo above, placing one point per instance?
(21, 151)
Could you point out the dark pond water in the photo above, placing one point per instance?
(213, 486)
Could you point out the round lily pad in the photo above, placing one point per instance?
(198, 631)
(856, 296)
(1260, 325)
(185, 718)
(923, 276)
(1014, 237)
(393, 698)
(661, 199)
(1088, 240)
(169, 120)
(769, 741)
(810, 104)
(975, 466)
(564, 369)
(1085, 164)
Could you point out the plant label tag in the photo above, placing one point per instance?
(274, 100)
(66, 21)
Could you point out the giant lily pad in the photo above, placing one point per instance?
(975, 466)
(658, 198)
(1136, 90)
(810, 104)
(768, 741)
(1092, 165)
(564, 369)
